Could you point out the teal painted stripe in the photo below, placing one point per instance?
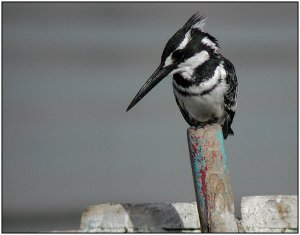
(198, 165)
(221, 141)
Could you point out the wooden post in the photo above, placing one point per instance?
(211, 179)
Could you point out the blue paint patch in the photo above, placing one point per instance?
(221, 141)
(199, 164)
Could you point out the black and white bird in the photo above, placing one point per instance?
(204, 82)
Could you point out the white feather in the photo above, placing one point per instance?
(187, 67)
(203, 108)
(209, 43)
(168, 61)
(185, 41)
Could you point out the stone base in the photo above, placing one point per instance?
(269, 213)
(276, 213)
(148, 217)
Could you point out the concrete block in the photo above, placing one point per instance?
(147, 217)
(277, 213)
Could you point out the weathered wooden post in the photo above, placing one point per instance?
(211, 179)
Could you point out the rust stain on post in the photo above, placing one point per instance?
(211, 179)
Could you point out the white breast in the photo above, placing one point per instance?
(207, 106)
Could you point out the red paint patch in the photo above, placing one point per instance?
(203, 181)
(214, 155)
(195, 147)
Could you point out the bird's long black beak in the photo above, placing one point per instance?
(160, 73)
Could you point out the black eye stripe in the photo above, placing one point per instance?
(178, 55)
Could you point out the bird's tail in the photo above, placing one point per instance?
(226, 127)
(227, 131)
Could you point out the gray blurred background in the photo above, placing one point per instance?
(71, 69)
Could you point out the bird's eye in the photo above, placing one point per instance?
(177, 55)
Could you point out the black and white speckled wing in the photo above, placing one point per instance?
(230, 98)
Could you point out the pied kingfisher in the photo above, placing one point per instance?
(204, 82)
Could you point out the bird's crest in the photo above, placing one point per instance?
(196, 21)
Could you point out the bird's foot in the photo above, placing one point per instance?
(199, 125)
(212, 121)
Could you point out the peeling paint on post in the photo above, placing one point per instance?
(211, 179)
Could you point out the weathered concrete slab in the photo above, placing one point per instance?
(148, 217)
(277, 213)
(259, 214)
